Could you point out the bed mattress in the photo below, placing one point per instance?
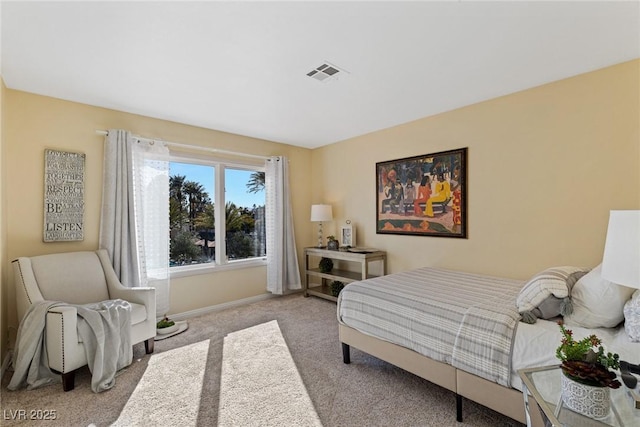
(463, 319)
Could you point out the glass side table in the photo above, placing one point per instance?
(543, 385)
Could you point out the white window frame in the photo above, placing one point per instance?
(221, 262)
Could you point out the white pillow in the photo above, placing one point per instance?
(632, 317)
(597, 303)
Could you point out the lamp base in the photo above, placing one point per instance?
(319, 235)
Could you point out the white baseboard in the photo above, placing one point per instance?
(5, 363)
(219, 307)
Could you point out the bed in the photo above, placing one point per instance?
(463, 332)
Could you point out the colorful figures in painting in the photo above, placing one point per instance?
(393, 192)
(442, 194)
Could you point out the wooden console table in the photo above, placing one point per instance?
(345, 275)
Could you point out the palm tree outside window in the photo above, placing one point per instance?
(193, 212)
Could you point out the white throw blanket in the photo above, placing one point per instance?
(104, 328)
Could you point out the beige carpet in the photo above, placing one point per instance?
(260, 384)
(169, 391)
(368, 392)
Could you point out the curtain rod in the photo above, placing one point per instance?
(191, 147)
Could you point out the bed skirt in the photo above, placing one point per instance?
(507, 401)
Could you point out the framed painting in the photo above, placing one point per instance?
(423, 195)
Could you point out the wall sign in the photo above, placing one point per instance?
(63, 196)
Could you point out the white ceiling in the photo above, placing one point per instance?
(241, 67)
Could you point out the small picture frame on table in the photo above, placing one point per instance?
(347, 235)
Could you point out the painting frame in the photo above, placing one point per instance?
(423, 195)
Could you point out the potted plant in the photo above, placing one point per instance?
(586, 378)
(332, 243)
(166, 326)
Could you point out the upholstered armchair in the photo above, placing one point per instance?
(78, 278)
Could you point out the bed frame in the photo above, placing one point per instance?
(507, 401)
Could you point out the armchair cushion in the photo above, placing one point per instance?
(138, 314)
(82, 284)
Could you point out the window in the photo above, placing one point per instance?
(216, 213)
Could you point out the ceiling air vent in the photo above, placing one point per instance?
(325, 72)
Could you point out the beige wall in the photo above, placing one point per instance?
(33, 123)
(545, 166)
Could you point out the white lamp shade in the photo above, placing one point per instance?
(321, 213)
(621, 260)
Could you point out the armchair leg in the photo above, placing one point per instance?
(148, 345)
(68, 380)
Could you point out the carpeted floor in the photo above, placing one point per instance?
(260, 383)
(368, 392)
(175, 401)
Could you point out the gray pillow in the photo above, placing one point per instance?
(547, 294)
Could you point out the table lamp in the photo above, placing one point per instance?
(621, 263)
(321, 213)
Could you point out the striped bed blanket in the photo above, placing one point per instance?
(463, 319)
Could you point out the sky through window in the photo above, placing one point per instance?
(236, 182)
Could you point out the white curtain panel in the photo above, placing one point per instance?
(117, 220)
(151, 192)
(282, 259)
(134, 225)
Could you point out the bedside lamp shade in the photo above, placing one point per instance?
(621, 260)
(621, 263)
(321, 213)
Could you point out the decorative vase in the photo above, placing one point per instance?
(333, 245)
(336, 287)
(591, 401)
(326, 265)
